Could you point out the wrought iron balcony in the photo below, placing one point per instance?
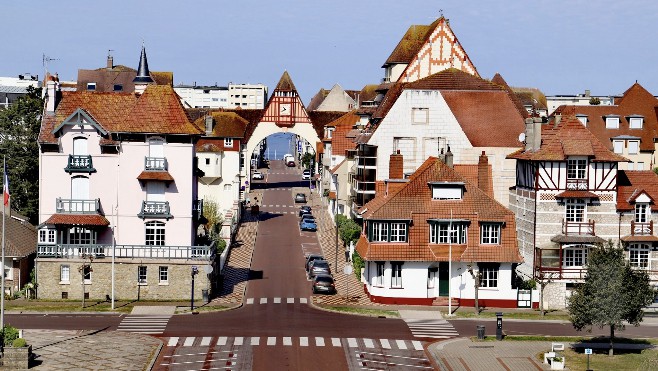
(577, 184)
(578, 228)
(155, 209)
(156, 164)
(641, 229)
(80, 164)
(126, 251)
(72, 206)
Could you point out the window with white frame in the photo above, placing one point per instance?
(396, 274)
(141, 274)
(398, 232)
(635, 122)
(228, 142)
(155, 234)
(575, 210)
(86, 273)
(489, 274)
(64, 273)
(448, 232)
(379, 276)
(80, 236)
(612, 122)
(633, 147)
(420, 115)
(379, 232)
(490, 233)
(642, 212)
(638, 255)
(440, 192)
(47, 236)
(582, 119)
(575, 256)
(163, 274)
(618, 146)
(576, 168)
(91, 86)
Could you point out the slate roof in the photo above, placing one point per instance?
(636, 100)
(631, 184)
(20, 236)
(285, 83)
(568, 138)
(414, 202)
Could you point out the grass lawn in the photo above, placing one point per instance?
(120, 306)
(637, 360)
(530, 314)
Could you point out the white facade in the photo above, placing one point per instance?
(555, 101)
(249, 96)
(11, 88)
(194, 96)
(221, 181)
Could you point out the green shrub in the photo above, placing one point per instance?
(357, 263)
(11, 334)
(19, 343)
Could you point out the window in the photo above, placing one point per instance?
(396, 274)
(64, 273)
(490, 234)
(489, 275)
(379, 277)
(80, 236)
(618, 146)
(639, 165)
(47, 236)
(155, 234)
(86, 273)
(638, 255)
(575, 210)
(576, 169)
(207, 161)
(582, 119)
(641, 213)
(439, 233)
(379, 232)
(612, 122)
(420, 115)
(228, 142)
(633, 147)
(227, 187)
(141, 274)
(398, 232)
(575, 256)
(91, 86)
(118, 87)
(446, 193)
(164, 275)
(635, 122)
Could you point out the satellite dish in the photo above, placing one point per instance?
(522, 137)
(208, 269)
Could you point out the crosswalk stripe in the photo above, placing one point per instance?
(255, 340)
(385, 343)
(335, 342)
(401, 344)
(144, 324)
(277, 300)
(172, 341)
(188, 342)
(303, 341)
(319, 341)
(205, 341)
(351, 342)
(271, 340)
(263, 300)
(221, 341)
(290, 300)
(250, 301)
(303, 300)
(238, 340)
(369, 343)
(417, 345)
(287, 341)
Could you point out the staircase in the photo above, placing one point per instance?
(442, 301)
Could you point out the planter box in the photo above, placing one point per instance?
(17, 358)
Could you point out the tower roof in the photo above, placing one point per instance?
(143, 74)
(285, 83)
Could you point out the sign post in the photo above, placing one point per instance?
(588, 351)
(347, 269)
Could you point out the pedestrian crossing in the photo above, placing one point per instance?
(431, 328)
(302, 341)
(250, 301)
(144, 324)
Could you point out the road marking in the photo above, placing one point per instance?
(369, 343)
(238, 340)
(303, 300)
(172, 341)
(255, 340)
(417, 345)
(250, 301)
(335, 342)
(351, 342)
(385, 343)
(188, 342)
(271, 340)
(287, 341)
(290, 300)
(263, 300)
(277, 300)
(319, 341)
(205, 341)
(221, 341)
(401, 344)
(303, 341)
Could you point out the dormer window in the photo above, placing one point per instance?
(388, 231)
(91, 86)
(490, 234)
(330, 132)
(633, 147)
(447, 190)
(612, 122)
(582, 118)
(635, 122)
(118, 87)
(228, 142)
(642, 212)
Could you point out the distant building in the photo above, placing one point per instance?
(197, 96)
(20, 250)
(12, 88)
(250, 96)
(555, 101)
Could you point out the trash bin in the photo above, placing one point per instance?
(480, 330)
(204, 294)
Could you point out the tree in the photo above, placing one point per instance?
(307, 160)
(348, 229)
(613, 293)
(477, 278)
(595, 101)
(19, 130)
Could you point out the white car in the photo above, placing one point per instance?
(306, 175)
(257, 175)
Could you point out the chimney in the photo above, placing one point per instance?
(52, 87)
(483, 173)
(587, 93)
(532, 134)
(448, 158)
(536, 123)
(210, 124)
(396, 166)
(110, 62)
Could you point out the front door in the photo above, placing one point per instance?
(444, 279)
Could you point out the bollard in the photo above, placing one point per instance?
(480, 332)
(204, 294)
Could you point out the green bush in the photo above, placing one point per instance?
(19, 343)
(357, 263)
(11, 334)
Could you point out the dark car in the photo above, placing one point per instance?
(308, 225)
(318, 267)
(324, 283)
(300, 198)
(290, 163)
(310, 258)
(304, 210)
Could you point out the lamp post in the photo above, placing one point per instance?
(195, 271)
(336, 221)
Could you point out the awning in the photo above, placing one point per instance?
(576, 194)
(78, 219)
(640, 238)
(560, 238)
(155, 175)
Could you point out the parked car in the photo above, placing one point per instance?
(308, 225)
(310, 258)
(324, 283)
(300, 198)
(257, 175)
(306, 175)
(304, 210)
(318, 267)
(308, 217)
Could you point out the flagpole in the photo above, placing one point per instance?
(4, 212)
(450, 266)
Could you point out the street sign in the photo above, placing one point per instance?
(347, 269)
(588, 350)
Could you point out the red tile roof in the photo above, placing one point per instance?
(453, 79)
(227, 124)
(470, 173)
(567, 138)
(631, 184)
(155, 175)
(340, 142)
(78, 219)
(414, 202)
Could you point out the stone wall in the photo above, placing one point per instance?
(522, 204)
(555, 296)
(177, 287)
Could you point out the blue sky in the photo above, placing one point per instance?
(558, 46)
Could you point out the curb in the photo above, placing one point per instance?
(156, 354)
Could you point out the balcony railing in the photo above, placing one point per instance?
(361, 187)
(577, 184)
(366, 161)
(71, 206)
(80, 164)
(126, 251)
(578, 228)
(155, 209)
(550, 264)
(156, 163)
(641, 229)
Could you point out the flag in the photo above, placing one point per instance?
(5, 187)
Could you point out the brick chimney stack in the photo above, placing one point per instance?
(483, 173)
(396, 166)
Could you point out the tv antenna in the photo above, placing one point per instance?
(45, 60)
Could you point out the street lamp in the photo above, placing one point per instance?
(336, 221)
(195, 271)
